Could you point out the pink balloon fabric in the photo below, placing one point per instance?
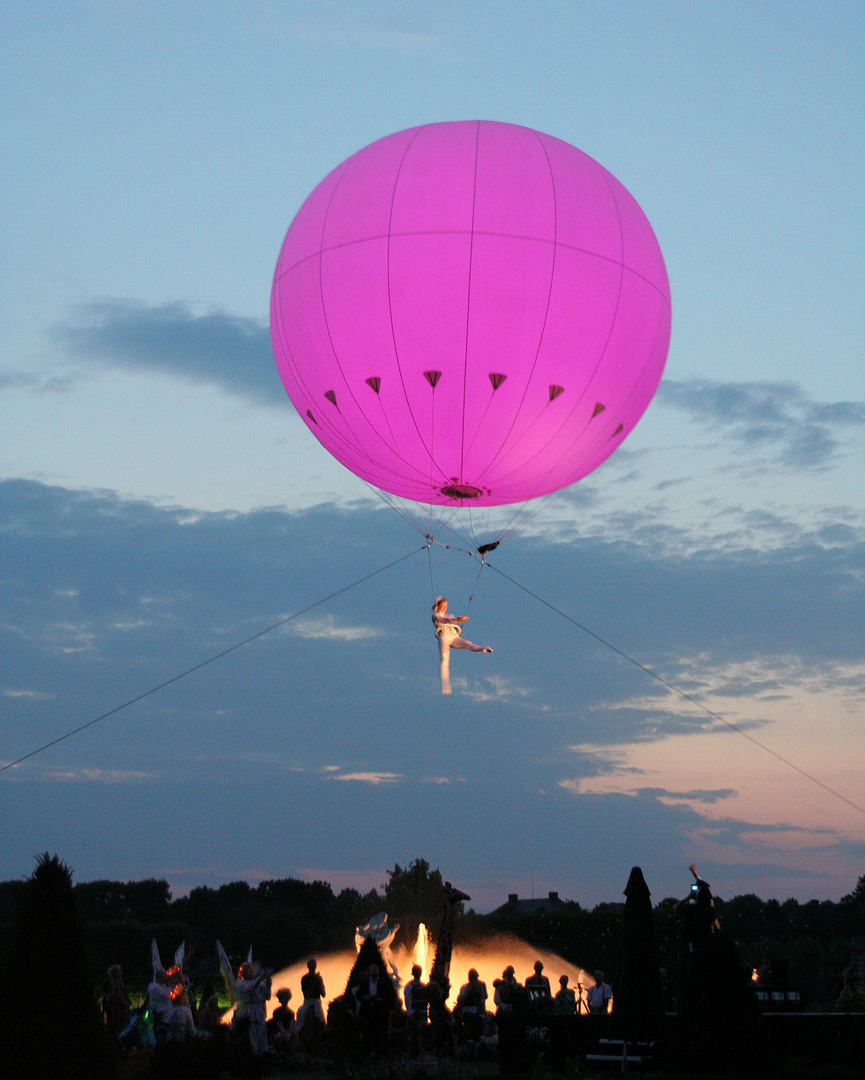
(470, 313)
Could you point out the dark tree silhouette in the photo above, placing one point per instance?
(858, 894)
(413, 895)
(53, 1024)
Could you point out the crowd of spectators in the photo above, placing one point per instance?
(372, 1015)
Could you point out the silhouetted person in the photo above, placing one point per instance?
(537, 978)
(718, 1015)
(508, 994)
(850, 1000)
(374, 1001)
(538, 989)
(416, 996)
(472, 998)
(697, 911)
(312, 988)
(116, 1003)
(210, 1015)
(280, 1026)
(511, 1010)
(471, 1006)
(599, 996)
(566, 999)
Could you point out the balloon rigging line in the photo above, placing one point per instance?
(485, 526)
(211, 659)
(427, 531)
(432, 587)
(397, 507)
(396, 504)
(515, 522)
(457, 530)
(447, 517)
(432, 440)
(477, 579)
(682, 693)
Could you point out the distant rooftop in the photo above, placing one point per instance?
(551, 902)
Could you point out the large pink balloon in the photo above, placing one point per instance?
(470, 312)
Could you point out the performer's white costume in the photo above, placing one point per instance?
(449, 631)
(159, 1000)
(249, 996)
(378, 930)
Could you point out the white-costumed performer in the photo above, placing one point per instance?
(248, 990)
(448, 630)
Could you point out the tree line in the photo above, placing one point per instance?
(286, 920)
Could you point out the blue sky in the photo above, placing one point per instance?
(161, 501)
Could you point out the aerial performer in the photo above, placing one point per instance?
(448, 631)
(470, 315)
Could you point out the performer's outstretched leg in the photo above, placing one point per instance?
(445, 667)
(449, 638)
(461, 643)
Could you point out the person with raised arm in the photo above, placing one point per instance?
(448, 630)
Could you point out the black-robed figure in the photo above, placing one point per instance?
(718, 1016)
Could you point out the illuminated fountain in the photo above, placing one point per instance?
(490, 957)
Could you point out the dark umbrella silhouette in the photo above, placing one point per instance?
(638, 1007)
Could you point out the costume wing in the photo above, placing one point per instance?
(227, 973)
(154, 956)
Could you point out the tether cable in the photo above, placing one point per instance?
(682, 693)
(212, 659)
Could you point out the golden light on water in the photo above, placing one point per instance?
(423, 950)
(489, 957)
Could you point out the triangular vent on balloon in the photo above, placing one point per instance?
(479, 256)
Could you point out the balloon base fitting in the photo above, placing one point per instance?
(461, 491)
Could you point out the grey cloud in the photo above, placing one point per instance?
(155, 591)
(850, 413)
(216, 348)
(235, 354)
(799, 431)
(17, 380)
(326, 627)
(836, 532)
(735, 833)
(704, 796)
(28, 380)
